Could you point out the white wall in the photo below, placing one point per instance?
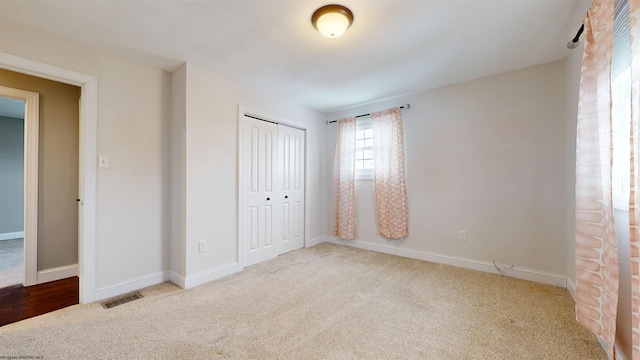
(573, 69)
(624, 325)
(168, 167)
(210, 162)
(178, 174)
(132, 224)
(488, 156)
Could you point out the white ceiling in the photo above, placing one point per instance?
(393, 48)
(12, 108)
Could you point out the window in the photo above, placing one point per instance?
(621, 106)
(364, 149)
(621, 115)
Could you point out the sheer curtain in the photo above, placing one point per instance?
(596, 244)
(389, 179)
(634, 198)
(344, 170)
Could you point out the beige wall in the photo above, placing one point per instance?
(487, 156)
(57, 168)
(11, 175)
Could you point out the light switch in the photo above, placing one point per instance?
(103, 161)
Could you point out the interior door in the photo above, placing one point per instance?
(260, 182)
(291, 153)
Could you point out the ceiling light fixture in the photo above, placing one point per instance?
(332, 20)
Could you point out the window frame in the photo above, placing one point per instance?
(363, 124)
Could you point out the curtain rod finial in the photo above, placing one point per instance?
(572, 45)
(576, 40)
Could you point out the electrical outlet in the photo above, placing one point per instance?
(462, 235)
(202, 246)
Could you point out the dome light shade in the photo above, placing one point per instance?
(332, 20)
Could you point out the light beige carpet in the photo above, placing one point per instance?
(326, 302)
(11, 262)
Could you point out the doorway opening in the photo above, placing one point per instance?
(11, 191)
(88, 153)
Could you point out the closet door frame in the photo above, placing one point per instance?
(242, 111)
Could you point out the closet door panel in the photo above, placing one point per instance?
(291, 172)
(261, 194)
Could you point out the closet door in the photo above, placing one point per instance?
(260, 225)
(291, 171)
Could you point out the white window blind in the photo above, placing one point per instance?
(621, 105)
(621, 39)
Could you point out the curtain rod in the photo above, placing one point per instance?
(405, 106)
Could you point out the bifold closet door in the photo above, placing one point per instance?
(273, 168)
(261, 202)
(291, 156)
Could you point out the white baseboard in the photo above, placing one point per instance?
(315, 241)
(209, 275)
(12, 235)
(619, 353)
(484, 266)
(59, 273)
(131, 285)
(603, 345)
(571, 286)
(176, 279)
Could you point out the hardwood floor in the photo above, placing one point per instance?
(18, 302)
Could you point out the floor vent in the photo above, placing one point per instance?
(121, 300)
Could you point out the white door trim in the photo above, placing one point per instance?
(31, 131)
(88, 154)
(242, 111)
(240, 189)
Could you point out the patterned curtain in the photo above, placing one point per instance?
(388, 168)
(596, 244)
(344, 170)
(634, 198)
